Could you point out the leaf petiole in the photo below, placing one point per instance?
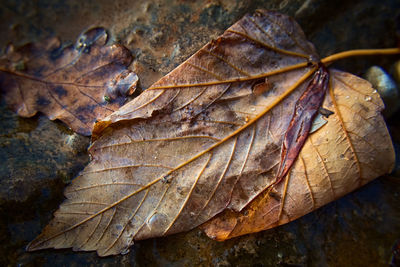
(359, 52)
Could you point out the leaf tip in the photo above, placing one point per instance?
(33, 246)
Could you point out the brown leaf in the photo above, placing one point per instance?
(76, 84)
(352, 149)
(205, 139)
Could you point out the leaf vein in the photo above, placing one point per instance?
(275, 49)
(227, 62)
(321, 160)
(161, 140)
(127, 166)
(126, 224)
(308, 182)
(339, 116)
(189, 194)
(221, 176)
(282, 28)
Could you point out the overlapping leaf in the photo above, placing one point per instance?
(76, 84)
(204, 139)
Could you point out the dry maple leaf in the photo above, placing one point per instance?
(205, 142)
(76, 84)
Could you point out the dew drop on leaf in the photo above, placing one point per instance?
(157, 220)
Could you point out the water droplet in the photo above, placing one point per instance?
(166, 179)
(253, 109)
(125, 251)
(157, 220)
(69, 140)
(375, 91)
(368, 98)
(211, 236)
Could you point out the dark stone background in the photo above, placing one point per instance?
(39, 157)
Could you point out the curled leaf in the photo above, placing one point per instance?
(300, 125)
(202, 141)
(76, 84)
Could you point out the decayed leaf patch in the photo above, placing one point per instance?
(76, 84)
(206, 140)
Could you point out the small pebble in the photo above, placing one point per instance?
(386, 88)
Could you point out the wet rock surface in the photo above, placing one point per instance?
(38, 156)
